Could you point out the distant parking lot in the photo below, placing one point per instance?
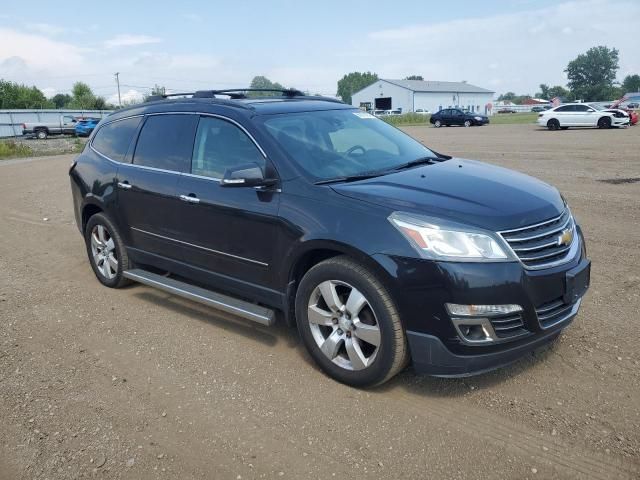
(135, 382)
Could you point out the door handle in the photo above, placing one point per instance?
(189, 198)
(126, 185)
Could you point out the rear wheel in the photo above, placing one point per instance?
(437, 123)
(553, 124)
(349, 323)
(604, 122)
(41, 134)
(107, 253)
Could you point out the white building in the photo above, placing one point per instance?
(410, 95)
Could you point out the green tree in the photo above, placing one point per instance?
(263, 82)
(61, 100)
(13, 95)
(548, 92)
(592, 74)
(353, 82)
(507, 97)
(83, 98)
(631, 83)
(414, 77)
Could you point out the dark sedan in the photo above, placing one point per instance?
(456, 116)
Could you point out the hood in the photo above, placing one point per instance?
(465, 191)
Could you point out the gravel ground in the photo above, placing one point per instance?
(53, 145)
(135, 383)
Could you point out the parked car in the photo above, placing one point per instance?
(422, 111)
(456, 116)
(85, 126)
(379, 113)
(66, 125)
(579, 115)
(380, 250)
(539, 108)
(619, 113)
(633, 105)
(507, 110)
(393, 112)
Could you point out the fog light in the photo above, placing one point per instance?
(474, 330)
(457, 310)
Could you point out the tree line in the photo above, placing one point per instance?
(14, 95)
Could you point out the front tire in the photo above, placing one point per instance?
(349, 323)
(604, 122)
(467, 123)
(107, 253)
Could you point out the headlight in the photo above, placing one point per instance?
(442, 243)
(478, 118)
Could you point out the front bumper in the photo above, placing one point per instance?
(421, 288)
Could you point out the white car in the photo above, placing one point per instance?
(422, 111)
(579, 115)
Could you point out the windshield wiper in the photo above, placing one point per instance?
(351, 178)
(418, 161)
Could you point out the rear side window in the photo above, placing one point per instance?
(566, 108)
(221, 145)
(166, 142)
(113, 139)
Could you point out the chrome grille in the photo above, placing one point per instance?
(508, 326)
(553, 313)
(538, 246)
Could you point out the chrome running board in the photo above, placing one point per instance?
(234, 306)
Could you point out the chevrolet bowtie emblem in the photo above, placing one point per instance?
(565, 237)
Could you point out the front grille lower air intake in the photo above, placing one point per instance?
(544, 244)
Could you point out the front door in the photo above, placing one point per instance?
(457, 117)
(229, 231)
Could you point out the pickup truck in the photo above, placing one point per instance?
(66, 125)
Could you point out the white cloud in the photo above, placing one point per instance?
(46, 28)
(21, 52)
(126, 39)
(128, 97)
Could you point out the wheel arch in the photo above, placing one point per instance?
(89, 210)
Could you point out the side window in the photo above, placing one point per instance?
(566, 108)
(113, 139)
(581, 108)
(166, 142)
(221, 145)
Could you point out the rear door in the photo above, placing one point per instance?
(229, 231)
(147, 198)
(565, 115)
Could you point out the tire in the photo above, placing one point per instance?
(467, 123)
(358, 314)
(564, 128)
(104, 245)
(42, 134)
(437, 124)
(553, 124)
(604, 122)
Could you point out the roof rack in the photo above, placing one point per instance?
(233, 93)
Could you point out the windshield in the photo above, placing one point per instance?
(342, 143)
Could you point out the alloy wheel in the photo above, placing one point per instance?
(103, 250)
(344, 325)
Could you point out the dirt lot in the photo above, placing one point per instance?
(137, 384)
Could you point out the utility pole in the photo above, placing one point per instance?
(117, 74)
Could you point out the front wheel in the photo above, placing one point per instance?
(349, 323)
(604, 122)
(467, 123)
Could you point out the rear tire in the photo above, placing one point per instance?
(437, 124)
(42, 134)
(604, 122)
(349, 323)
(553, 124)
(106, 251)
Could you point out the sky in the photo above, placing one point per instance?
(499, 45)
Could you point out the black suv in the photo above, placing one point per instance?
(380, 250)
(456, 116)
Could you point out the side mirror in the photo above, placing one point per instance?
(249, 175)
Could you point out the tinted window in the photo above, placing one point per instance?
(221, 145)
(166, 142)
(113, 139)
(566, 108)
(581, 108)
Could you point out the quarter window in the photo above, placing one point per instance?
(166, 142)
(113, 139)
(221, 145)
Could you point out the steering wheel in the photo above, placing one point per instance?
(356, 148)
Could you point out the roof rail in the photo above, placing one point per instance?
(233, 93)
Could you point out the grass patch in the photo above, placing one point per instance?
(513, 118)
(13, 149)
(406, 119)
